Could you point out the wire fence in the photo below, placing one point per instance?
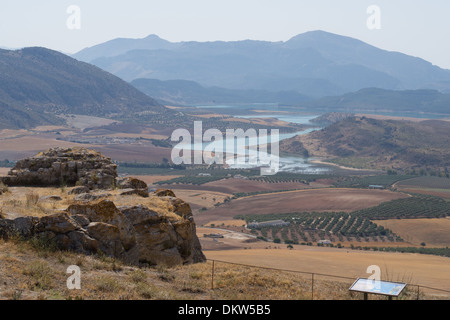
(311, 285)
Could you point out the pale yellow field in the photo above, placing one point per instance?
(233, 223)
(33, 144)
(201, 198)
(434, 232)
(426, 270)
(152, 179)
(4, 171)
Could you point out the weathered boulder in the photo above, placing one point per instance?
(164, 193)
(108, 237)
(139, 192)
(50, 198)
(168, 240)
(58, 223)
(133, 234)
(131, 183)
(105, 211)
(64, 166)
(79, 190)
(91, 197)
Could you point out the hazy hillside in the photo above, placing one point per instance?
(374, 99)
(379, 143)
(314, 63)
(37, 83)
(184, 92)
(123, 45)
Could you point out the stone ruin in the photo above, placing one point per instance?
(134, 234)
(64, 166)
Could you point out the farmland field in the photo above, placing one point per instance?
(412, 268)
(425, 182)
(435, 186)
(432, 232)
(333, 199)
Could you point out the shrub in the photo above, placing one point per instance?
(3, 187)
(40, 273)
(32, 199)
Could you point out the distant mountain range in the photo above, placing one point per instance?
(37, 84)
(186, 93)
(314, 64)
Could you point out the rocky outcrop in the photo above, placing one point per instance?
(93, 224)
(131, 183)
(164, 193)
(133, 234)
(78, 190)
(64, 166)
(132, 186)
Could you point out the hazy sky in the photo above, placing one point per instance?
(415, 27)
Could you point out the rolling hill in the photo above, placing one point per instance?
(184, 92)
(37, 84)
(379, 144)
(375, 99)
(315, 64)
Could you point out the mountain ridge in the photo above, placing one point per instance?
(315, 63)
(36, 84)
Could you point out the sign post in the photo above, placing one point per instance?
(385, 288)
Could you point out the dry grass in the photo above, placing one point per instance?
(151, 179)
(425, 270)
(35, 270)
(29, 274)
(20, 201)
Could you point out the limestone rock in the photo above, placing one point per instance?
(57, 223)
(164, 193)
(131, 183)
(91, 197)
(108, 237)
(106, 212)
(50, 198)
(139, 192)
(133, 234)
(79, 190)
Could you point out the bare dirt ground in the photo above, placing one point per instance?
(27, 146)
(151, 179)
(240, 185)
(333, 199)
(201, 199)
(146, 153)
(231, 186)
(83, 122)
(433, 232)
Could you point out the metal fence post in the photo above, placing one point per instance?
(212, 276)
(312, 286)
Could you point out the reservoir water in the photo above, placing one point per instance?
(293, 164)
